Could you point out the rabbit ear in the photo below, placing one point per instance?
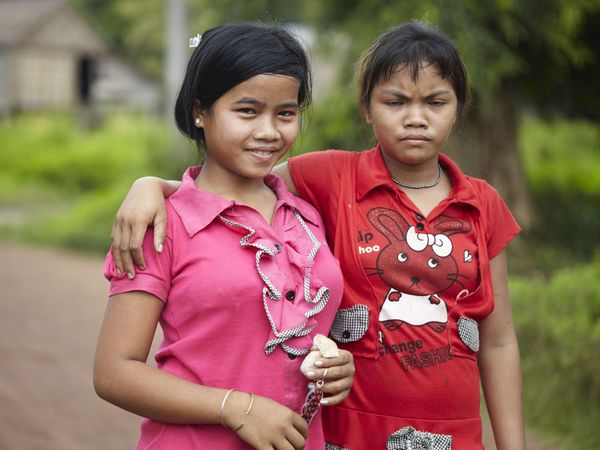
(391, 224)
(449, 225)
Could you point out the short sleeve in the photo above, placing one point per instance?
(155, 279)
(316, 176)
(501, 227)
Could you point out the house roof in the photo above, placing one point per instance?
(48, 24)
(18, 18)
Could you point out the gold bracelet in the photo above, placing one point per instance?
(251, 403)
(223, 408)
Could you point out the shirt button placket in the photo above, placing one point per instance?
(420, 225)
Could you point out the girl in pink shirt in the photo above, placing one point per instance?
(245, 279)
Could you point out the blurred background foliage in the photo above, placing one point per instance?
(533, 132)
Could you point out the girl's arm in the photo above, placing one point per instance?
(122, 377)
(499, 365)
(283, 171)
(143, 206)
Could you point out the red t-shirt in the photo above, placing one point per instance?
(415, 289)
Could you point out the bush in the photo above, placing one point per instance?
(561, 156)
(558, 323)
(51, 151)
(562, 163)
(85, 225)
(70, 181)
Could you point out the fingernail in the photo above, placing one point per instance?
(119, 271)
(312, 385)
(310, 374)
(318, 363)
(324, 401)
(130, 275)
(160, 248)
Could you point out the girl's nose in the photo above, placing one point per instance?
(267, 131)
(415, 117)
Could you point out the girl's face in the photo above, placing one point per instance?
(251, 126)
(412, 119)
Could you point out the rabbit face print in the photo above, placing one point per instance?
(416, 266)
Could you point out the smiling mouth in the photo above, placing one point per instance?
(264, 153)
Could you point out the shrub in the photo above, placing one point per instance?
(562, 163)
(558, 323)
(70, 181)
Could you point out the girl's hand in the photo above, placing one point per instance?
(144, 205)
(269, 425)
(338, 378)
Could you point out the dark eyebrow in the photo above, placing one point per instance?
(248, 100)
(439, 92)
(395, 93)
(290, 105)
(400, 95)
(252, 101)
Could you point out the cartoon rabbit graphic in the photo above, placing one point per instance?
(416, 267)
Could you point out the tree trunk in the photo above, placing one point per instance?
(487, 148)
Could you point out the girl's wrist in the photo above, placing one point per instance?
(235, 407)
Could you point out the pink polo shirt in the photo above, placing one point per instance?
(226, 323)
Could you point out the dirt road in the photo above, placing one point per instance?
(52, 304)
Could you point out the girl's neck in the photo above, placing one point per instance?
(426, 199)
(413, 174)
(249, 191)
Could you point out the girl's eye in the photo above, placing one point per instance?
(402, 257)
(394, 103)
(245, 110)
(288, 114)
(437, 103)
(433, 263)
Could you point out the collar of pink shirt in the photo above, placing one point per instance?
(198, 208)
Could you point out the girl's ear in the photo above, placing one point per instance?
(198, 113)
(366, 114)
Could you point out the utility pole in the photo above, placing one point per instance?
(175, 48)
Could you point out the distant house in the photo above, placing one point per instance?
(52, 59)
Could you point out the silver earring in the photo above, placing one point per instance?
(197, 121)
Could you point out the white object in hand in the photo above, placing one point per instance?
(326, 348)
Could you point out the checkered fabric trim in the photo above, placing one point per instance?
(350, 324)
(330, 446)
(271, 293)
(468, 330)
(408, 438)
